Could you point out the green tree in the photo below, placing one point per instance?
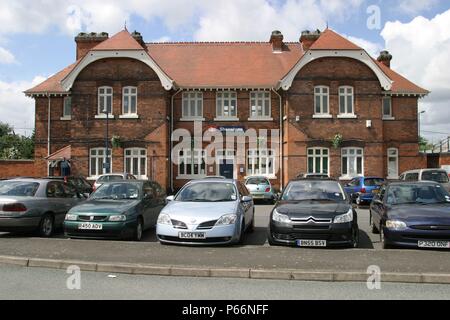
(14, 146)
(424, 144)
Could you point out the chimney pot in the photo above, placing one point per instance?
(307, 38)
(385, 58)
(276, 39)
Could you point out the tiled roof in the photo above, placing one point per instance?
(120, 41)
(53, 83)
(330, 40)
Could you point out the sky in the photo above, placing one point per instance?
(37, 38)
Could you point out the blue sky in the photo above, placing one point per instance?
(38, 38)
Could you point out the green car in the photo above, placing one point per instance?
(117, 210)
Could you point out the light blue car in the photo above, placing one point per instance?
(207, 212)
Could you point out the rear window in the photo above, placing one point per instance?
(257, 181)
(110, 178)
(437, 176)
(373, 182)
(18, 188)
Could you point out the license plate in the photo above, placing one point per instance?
(376, 191)
(90, 226)
(311, 243)
(434, 244)
(191, 235)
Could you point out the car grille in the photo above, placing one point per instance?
(207, 240)
(179, 224)
(311, 227)
(430, 227)
(295, 236)
(206, 225)
(94, 218)
(311, 220)
(428, 237)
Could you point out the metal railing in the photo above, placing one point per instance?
(442, 146)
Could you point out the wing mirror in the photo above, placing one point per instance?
(170, 198)
(246, 199)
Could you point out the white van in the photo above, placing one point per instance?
(437, 175)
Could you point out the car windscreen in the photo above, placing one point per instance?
(417, 194)
(110, 178)
(372, 182)
(313, 190)
(437, 176)
(116, 191)
(262, 181)
(207, 192)
(18, 188)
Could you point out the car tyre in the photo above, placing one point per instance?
(139, 230)
(384, 245)
(373, 227)
(355, 237)
(46, 226)
(242, 233)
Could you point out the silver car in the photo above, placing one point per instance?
(207, 212)
(260, 188)
(35, 205)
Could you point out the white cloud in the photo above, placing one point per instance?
(15, 107)
(6, 57)
(413, 7)
(372, 48)
(420, 49)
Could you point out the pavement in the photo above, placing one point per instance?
(254, 259)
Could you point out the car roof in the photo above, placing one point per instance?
(424, 169)
(313, 179)
(30, 179)
(213, 180)
(400, 182)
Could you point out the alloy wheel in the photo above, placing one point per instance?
(47, 226)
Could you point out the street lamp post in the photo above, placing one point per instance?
(106, 165)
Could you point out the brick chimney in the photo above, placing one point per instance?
(385, 58)
(308, 38)
(86, 41)
(276, 39)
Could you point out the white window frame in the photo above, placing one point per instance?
(260, 100)
(390, 176)
(318, 153)
(347, 153)
(255, 159)
(191, 157)
(322, 96)
(127, 97)
(192, 100)
(387, 116)
(99, 157)
(224, 104)
(104, 96)
(135, 153)
(67, 115)
(346, 95)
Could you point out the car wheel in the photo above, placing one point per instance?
(242, 233)
(46, 226)
(270, 239)
(355, 237)
(139, 230)
(384, 245)
(373, 227)
(358, 200)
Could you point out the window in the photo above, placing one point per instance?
(318, 160)
(226, 104)
(352, 162)
(105, 96)
(192, 163)
(67, 108)
(97, 157)
(129, 101)
(136, 162)
(192, 105)
(387, 108)
(55, 189)
(346, 101)
(321, 100)
(259, 105)
(392, 158)
(412, 176)
(260, 162)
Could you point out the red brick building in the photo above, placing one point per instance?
(337, 110)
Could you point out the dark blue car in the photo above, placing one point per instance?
(412, 214)
(362, 189)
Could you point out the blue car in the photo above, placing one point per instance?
(362, 189)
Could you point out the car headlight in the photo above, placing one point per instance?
(344, 218)
(395, 225)
(71, 217)
(278, 217)
(119, 217)
(164, 218)
(226, 219)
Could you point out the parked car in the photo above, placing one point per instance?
(79, 183)
(260, 188)
(362, 189)
(119, 209)
(35, 205)
(437, 175)
(313, 213)
(207, 211)
(412, 214)
(108, 177)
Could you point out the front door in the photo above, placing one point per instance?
(226, 169)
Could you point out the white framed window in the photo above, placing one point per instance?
(192, 105)
(129, 101)
(260, 105)
(261, 162)
(136, 162)
(346, 101)
(67, 108)
(352, 162)
(321, 100)
(387, 108)
(318, 160)
(392, 163)
(105, 100)
(192, 164)
(226, 105)
(97, 157)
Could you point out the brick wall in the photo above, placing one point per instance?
(17, 168)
